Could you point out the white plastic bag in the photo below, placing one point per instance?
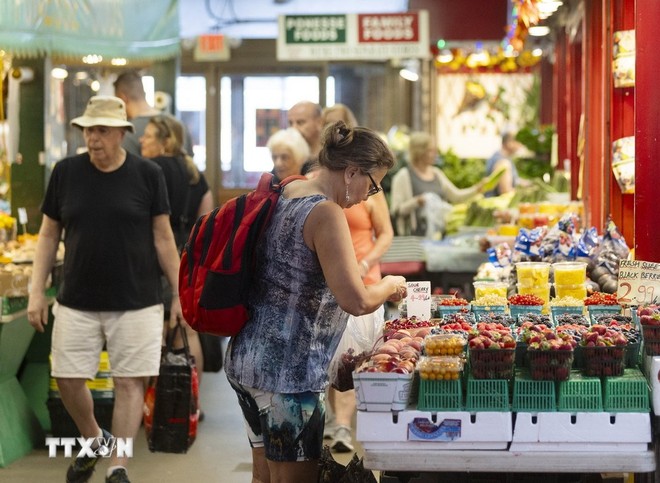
(356, 345)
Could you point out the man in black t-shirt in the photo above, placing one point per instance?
(113, 208)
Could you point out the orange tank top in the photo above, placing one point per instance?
(362, 234)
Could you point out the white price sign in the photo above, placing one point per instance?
(22, 216)
(418, 300)
(639, 282)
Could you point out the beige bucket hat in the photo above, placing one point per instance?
(104, 111)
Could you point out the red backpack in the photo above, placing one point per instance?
(218, 261)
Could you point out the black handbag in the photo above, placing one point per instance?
(171, 401)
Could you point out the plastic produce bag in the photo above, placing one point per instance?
(436, 211)
(355, 347)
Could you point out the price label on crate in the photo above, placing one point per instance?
(639, 282)
(418, 300)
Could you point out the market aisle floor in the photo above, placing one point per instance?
(220, 454)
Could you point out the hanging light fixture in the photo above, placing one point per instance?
(410, 70)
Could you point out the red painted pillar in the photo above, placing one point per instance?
(647, 131)
(595, 109)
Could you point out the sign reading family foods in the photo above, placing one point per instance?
(354, 36)
(639, 282)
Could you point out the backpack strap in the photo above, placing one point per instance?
(265, 182)
(279, 187)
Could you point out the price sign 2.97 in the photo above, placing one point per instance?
(639, 282)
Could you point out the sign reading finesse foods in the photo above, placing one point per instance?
(354, 36)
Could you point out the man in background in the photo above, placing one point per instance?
(503, 159)
(129, 88)
(307, 118)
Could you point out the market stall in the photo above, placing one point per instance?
(539, 372)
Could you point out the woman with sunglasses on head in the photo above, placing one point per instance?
(162, 143)
(371, 232)
(308, 282)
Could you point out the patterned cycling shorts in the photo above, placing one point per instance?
(288, 426)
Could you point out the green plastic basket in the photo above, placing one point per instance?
(487, 395)
(626, 394)
(533, 396)
(556, 311)
(580, 394)
(451, 309)
(518, 310)
(440, 395)
(483, 310)
(596, 311)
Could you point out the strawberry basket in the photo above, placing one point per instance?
(651, 336)
(550, 365)
(492, 363)
(604, 361)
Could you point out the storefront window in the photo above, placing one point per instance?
(252, 109)
(191, 107)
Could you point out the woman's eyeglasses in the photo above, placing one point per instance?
(374, 187)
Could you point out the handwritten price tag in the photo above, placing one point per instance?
(418, 300)
(639, 282)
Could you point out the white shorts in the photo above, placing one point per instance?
(133, 339)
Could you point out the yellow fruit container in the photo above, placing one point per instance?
(533, 273)
(570, 273)
(542, 291)
(578, 291)
(482, 289)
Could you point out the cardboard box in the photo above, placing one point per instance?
(13, 284)
(382, 391)
(585, 432)
(427, 430)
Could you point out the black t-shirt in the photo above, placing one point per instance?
(179, 194)
(197, 192)
(110, 261)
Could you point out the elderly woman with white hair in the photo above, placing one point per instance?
(289, 151)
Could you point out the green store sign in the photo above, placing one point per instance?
(311, 29)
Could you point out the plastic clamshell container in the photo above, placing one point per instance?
(448, 344)
(483, 288)
(440, 368)
(382, 391)
(533, 273)
(570, 273)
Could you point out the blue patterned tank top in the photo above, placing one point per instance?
(295, 323)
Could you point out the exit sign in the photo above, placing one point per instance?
(211, 47)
